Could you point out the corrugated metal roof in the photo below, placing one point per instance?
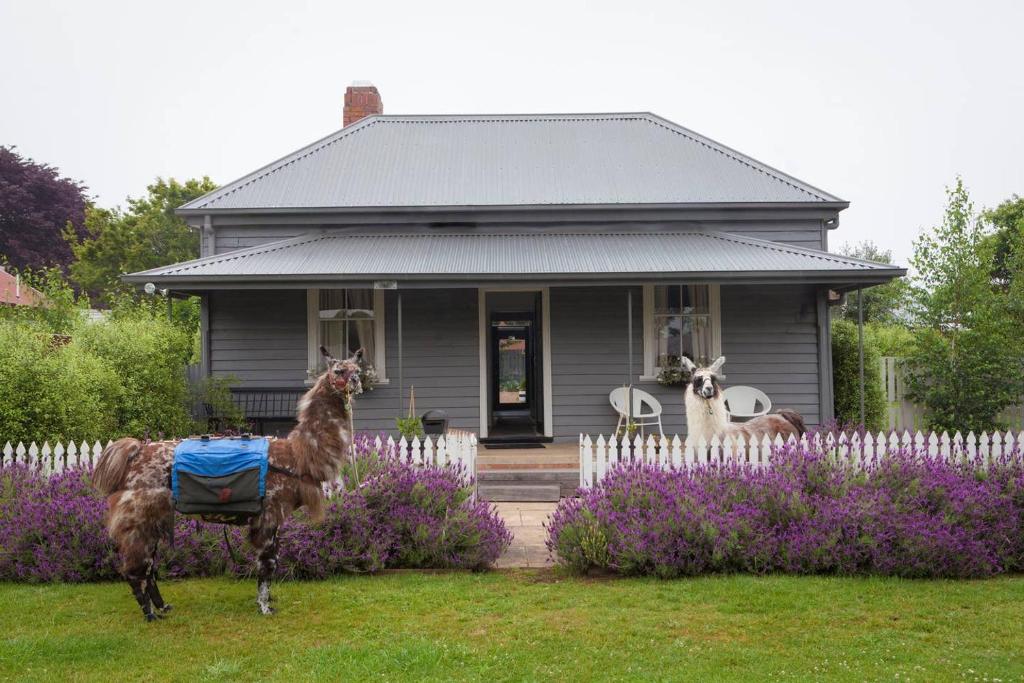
(526, 160)
(341, 256)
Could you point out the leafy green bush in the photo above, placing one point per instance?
(846, 377)
(62, 311)
(148, 353)
(215, 394)
(890, 340)
(53, 391)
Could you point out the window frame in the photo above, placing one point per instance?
(650, 370)
(314, 361)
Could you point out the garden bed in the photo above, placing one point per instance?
(902, 514)
(386, 513)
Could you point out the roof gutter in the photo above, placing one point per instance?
(466, 208)
(840, 280)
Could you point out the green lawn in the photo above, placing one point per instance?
(525, 625)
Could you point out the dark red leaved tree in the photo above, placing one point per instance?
(36, 204)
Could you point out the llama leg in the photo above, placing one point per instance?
(154, 590)
(138, 579)
(135, 522)
(267, 565)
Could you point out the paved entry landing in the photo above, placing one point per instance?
(528, 475)
(525, 521)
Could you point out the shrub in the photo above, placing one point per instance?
(393, 514)
(66, 377)
(889, 340)
(148, 353)
(51, 528)
(846, 377)
(903, 515)
(53, 391)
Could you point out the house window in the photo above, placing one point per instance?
(344, 320)
(680, 320)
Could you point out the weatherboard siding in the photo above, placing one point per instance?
(259, 338)
(770, 340)
(807, 234)
(769, 336)
(233, 237)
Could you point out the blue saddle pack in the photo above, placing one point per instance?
(221, 479)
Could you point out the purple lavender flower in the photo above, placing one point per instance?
(906, 514)
(387, 512)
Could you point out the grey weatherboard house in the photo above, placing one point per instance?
(493, 262)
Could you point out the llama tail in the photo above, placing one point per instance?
(794, 418)
(111, 471)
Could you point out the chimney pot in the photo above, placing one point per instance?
(361, 100)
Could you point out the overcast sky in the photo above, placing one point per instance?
(879, 103)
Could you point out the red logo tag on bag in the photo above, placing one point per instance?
(225, 495)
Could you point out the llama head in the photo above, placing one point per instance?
(704, 382)
(344, 375)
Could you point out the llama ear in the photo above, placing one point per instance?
(687, 364)
(357, 356)
(326, 354)
(716, 367)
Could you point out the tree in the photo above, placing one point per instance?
(1008, 241)
(147, 235)
(37, 206)
(966, 365)
(882, 303)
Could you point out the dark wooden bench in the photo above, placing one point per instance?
(269, 410)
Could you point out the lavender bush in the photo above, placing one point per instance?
(386, 513)
(904, 515)
(51, 528)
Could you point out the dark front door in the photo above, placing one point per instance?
(515, 395)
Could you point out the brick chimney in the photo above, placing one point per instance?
(361, 100)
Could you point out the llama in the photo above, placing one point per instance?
(706, 415)
(136, 478)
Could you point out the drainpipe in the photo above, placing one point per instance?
(208, 237)
(860, 348)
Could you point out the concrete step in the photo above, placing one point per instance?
(529, 475)
(518, 492)
(566, 480)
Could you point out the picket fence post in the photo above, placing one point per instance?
(587, 471)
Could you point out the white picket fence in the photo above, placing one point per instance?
(455, 447)
(598, 456)
(901, 413)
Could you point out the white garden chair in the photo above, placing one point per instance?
(646, 409)
(746, 402)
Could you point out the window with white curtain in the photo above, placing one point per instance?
(344, 320)
(680, 320)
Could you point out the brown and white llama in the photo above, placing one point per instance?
(706, 415)
(136, 477)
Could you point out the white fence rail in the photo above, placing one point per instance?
(455, 447)
(598, 456)
(901, 413)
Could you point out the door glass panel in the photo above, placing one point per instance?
(512, 368)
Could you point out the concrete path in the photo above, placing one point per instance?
(525, 521)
